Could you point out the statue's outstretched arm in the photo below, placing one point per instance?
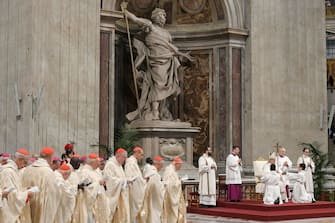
(137, 20)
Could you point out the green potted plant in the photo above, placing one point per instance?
(125, 138)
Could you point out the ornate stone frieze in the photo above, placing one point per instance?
(172, 147)
(192, 6)
(193, 12)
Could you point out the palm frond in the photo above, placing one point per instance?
(126, 138)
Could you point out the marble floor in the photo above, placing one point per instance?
(196, 218)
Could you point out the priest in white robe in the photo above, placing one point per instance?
(10, 181)
(102, 203)
(137, 188)
(207, 179)
(117, 187)
(67, 194)
(271, 180)
(92, 186)
(283, 164)
(43, 205)
(75, 181)
(233, 175)
(174, 207)
(154, 194)
(300, 194)
(309, 171)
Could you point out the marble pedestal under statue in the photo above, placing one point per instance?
(168, 139)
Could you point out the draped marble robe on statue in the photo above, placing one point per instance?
(174, 207)
(117, 191)
(13, 206)
(136, 189)
(42, 207)
(207, 180)
(160, 78)
(153, 199)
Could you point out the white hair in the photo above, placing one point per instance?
(282, 149)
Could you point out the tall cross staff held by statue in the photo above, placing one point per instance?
(123, 7)
(160, 78)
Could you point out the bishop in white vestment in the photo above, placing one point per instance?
(154, 194)
(42, 207)
(137, 188)
(10, 181)
(174, 209)
(117, 187)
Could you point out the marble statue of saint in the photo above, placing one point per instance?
(160, 59)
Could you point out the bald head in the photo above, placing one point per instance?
(282, 151)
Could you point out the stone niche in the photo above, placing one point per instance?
(168, 139)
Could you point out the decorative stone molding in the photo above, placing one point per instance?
(234, 11)
(192, 6)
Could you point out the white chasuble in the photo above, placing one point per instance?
(174, 208)
(117, 191)
(136, 189)
(12, 207)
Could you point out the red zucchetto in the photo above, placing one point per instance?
(158, 159)
(68, 147)
(177, 160)
(137, 149)
(120, 150)
(23, 152)
(47, 151)
(65, 167)
(93, 156)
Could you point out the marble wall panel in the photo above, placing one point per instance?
(104, 90)
(196, 98)
(50, 50)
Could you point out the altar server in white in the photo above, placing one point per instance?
(233, 179)
(207, 179)
(272, 190)
(310, 169)
(300, 194)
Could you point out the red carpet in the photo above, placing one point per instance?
(256, 210)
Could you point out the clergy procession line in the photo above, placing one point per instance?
(74, 189)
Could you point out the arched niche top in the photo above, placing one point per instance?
(234, 10)
(230, 13)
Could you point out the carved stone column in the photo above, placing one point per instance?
(107, 78)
